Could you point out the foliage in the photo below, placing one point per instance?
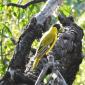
(13, 19)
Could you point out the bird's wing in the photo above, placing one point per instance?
(45, 44)
(40, 54)
(52, 45)
(43, 50)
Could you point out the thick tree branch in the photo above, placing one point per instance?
(48, 9)
(68, 49)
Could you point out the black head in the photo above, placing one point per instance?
(57, 26)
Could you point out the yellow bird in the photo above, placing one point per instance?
(46, 44)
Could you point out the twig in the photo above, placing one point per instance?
(2, 47)
(26, 5)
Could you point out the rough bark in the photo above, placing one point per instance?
(69, 49)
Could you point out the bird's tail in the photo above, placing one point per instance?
(36, 62)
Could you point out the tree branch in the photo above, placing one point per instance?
(26, 5)
(48, 9)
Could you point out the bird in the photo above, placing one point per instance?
(46, 44)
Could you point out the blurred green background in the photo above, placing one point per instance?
(13, 19)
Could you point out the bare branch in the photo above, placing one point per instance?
(26, 5)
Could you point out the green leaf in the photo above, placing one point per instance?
(66, 10)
